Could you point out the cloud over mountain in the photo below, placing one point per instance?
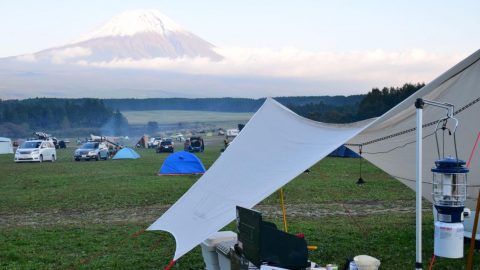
(161, 58)
(137, 34)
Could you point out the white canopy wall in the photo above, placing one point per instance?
(389, 143)
(274, 147)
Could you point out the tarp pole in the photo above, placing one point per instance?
(418, 224)
(284, 212)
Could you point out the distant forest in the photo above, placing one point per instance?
(21, 117)
(223, 104)
(374, 104)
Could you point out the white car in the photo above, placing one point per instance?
(154, 142)
(91, 150)
(36, 151)
(232, 133)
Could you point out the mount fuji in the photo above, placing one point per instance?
(134, 35)
(115, 61)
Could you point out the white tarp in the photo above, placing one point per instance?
(250, 170)
(273, 148)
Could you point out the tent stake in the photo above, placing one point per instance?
(284, 213)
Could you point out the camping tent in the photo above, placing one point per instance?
(344, 151)
(126, 153)
(182, 163)
(388, 142)
(143, 142)
(6, 146)
(391, 139)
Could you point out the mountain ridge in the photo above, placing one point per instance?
(131, 35)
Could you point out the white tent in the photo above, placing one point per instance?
(210, 203)
(389, 143)
(6, 146)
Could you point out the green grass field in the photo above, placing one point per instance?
(174, 117)
(89, 215)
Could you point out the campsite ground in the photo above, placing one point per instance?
(90, 215)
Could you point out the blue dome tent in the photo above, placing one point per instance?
(126, 153)
(343, 151)
(182, 163)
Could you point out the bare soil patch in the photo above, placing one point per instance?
(150, 213)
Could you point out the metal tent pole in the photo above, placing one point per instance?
(418, 224)
(419, 104)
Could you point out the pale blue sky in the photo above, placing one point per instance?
(28, 26)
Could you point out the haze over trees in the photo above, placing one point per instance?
(223, 104)
(21, 117)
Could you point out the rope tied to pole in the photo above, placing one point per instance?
(284, 212)
(469, 263)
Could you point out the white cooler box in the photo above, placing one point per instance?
(223, 251)
(209, 246)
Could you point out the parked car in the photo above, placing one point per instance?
(36, 150)
(91, 150)
(195, 144)
(178, 137)
(166, 146)
(232, 133)
(154, 142)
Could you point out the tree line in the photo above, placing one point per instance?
(222, 104)
(21, 117)
(373, 104)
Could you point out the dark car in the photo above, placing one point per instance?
(165, 146)
(195, 144)
(91, 150)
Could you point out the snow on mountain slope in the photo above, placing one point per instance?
(132, 35)
(134, 22)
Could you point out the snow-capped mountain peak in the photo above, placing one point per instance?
(134, 22)
(131, 35)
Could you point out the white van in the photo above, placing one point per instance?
(232, 133)
(36, 151)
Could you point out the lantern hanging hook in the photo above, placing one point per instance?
(450, 108)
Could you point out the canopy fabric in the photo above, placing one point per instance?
(249, 171)
(182, 163)
(389, 143)
(126, 153)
